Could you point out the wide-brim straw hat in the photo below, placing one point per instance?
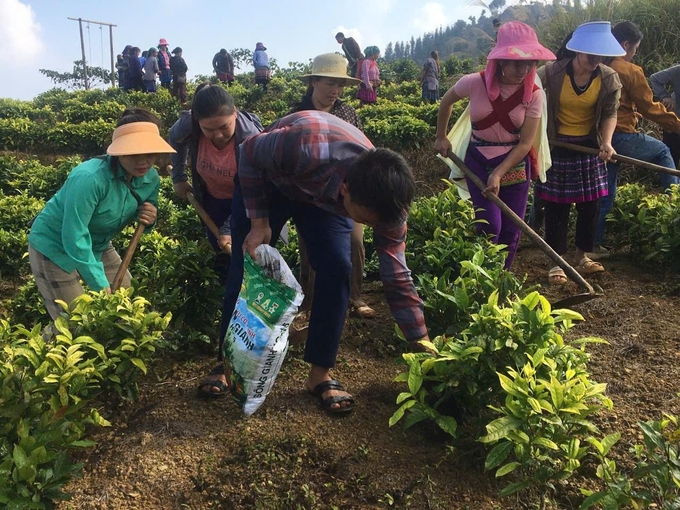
(330, 65)
(138, 138)
(518, 41)
(595, 38)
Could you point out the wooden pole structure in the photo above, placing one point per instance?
(82, 47)
(113, 69)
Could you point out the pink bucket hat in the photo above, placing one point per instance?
(162, 42)
(518, 41)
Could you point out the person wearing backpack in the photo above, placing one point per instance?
(505, 111)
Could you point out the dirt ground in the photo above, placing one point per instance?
(172, 450)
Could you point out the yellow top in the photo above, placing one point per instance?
(576, 115)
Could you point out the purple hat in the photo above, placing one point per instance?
(260, 46)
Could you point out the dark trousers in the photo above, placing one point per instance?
(219, 210)
(179, 90)
(557, 225)
(327, 237)
(138, 84)
(673, 142)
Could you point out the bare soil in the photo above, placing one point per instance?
(172, 450)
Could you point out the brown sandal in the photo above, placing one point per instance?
(363, 311)
(556, 276)
(589, 266)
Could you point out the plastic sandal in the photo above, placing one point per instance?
(213, 383)
(556, 276)
(327, 403)
(363, 311)
(589, 266)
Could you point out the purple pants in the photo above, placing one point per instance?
(515, 196)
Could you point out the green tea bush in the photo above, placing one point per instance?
(100, 346)
(20, 133)
(178, 276)
(27, 305)
(30, 177)
(546, 427)
(15, 214)
(456, 269)
(654, 482)
(649, 223)
(398, 132)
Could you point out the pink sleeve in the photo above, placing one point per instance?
(365, 68)
(465, 84)
(535, 108)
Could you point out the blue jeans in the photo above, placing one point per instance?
(638, 146)
(327, 237)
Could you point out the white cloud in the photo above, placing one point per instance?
(349, 32)
(19, 32)
(382, 6)
(430, 16)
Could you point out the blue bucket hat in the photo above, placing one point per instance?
(595, 38)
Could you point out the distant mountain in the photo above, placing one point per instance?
(466, 39)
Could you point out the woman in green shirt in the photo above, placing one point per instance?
(71, 237)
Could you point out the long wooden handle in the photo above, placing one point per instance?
(526, 229)
(617, 157)
(207, 220)
(127, 258)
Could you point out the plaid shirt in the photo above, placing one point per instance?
(306, 156)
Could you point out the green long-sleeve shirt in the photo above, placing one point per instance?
(94, 205)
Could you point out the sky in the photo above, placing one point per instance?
(36, 34)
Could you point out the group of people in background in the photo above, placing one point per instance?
(138, 70)
(364, 66)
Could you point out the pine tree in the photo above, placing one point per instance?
(389, 52)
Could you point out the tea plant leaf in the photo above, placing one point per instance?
(403, 396)
(415, 378)
(535, 405)
(609, 441)
(546, 443)
(508, 468)
(497, 455)
(19, 456)
(83, 443)
(415, 415)
(402, 377)
(592, 500)
(399, 413)
(499, 428)
(596, 389)
(514, 487)
(509, 386)
(139, 364)
(448, 424)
